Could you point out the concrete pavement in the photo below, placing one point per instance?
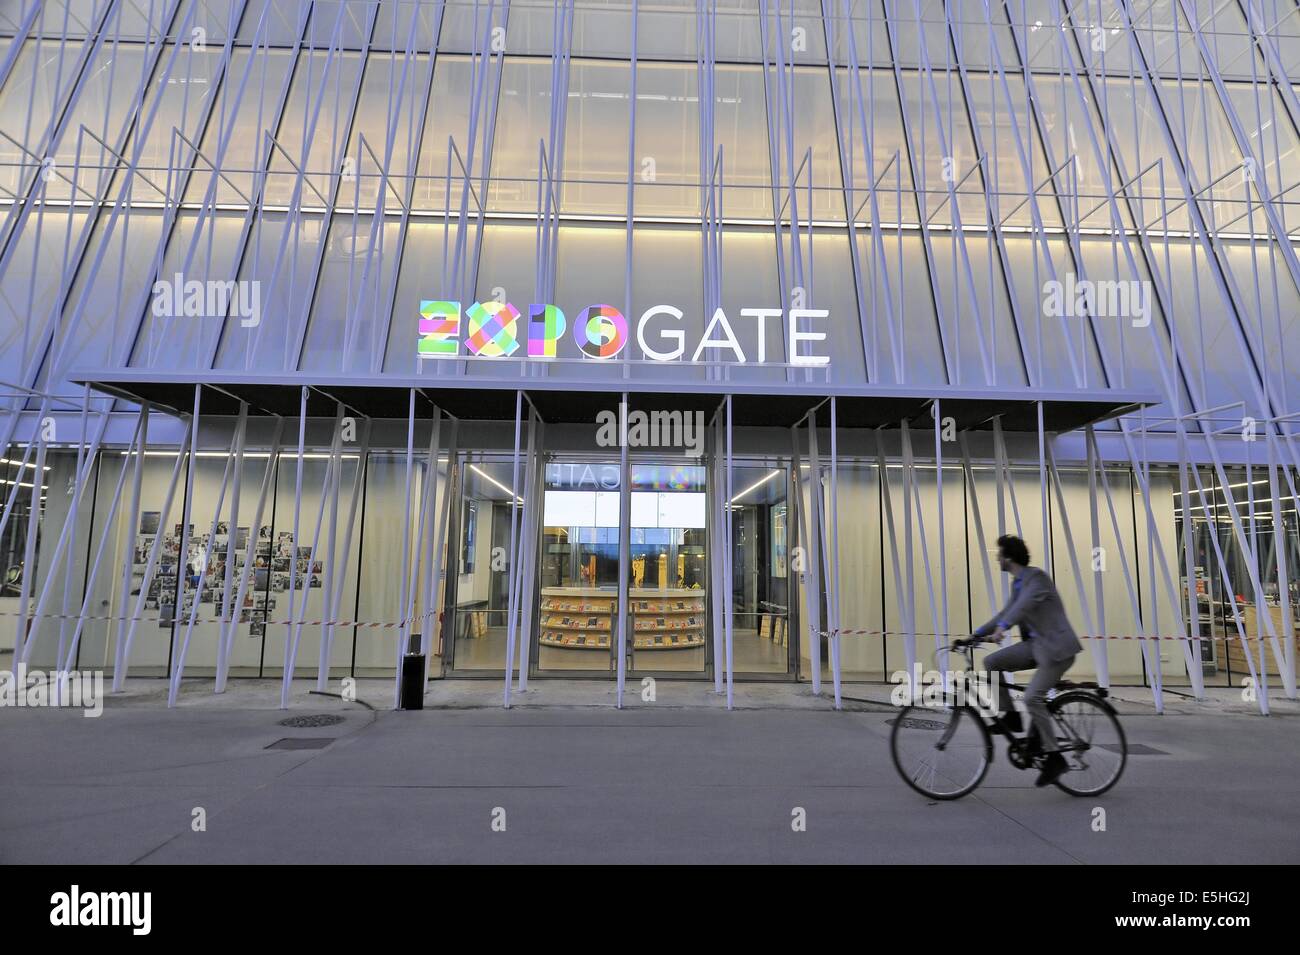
(677, 780)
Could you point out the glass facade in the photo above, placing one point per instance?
(307, 311)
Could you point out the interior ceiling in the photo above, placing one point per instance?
(479, 403)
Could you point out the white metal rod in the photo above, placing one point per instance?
(286, 675)
(624, 550)
(513, 553)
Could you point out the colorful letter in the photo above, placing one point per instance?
(439, 329)
(490, 329)
(601, 331)
(546, 324)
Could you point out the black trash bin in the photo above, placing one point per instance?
(412, 696)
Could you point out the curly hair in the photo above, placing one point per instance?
(1014, 549)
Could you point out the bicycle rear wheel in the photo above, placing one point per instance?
(1092, 742)
(941, 753)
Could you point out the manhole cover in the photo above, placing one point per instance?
(302, 742)
(912, 723)
(312, 721)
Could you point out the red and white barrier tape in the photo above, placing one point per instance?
(366, 625)
(183, 619)
(846, 632)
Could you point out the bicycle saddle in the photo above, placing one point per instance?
(1092, 686)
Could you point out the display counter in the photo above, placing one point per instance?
(582, 618)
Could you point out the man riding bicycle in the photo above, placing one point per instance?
(1049, 643)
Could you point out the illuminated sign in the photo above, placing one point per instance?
(600, 332)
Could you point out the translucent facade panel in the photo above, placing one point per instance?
(861, 572)
(1272, 320)
(383, 571)
(1170, 43)
(1211, 155)
(874, 146)
(978, 327)
(602, 28)
(671, 31)
(1079, 148)
(1218, 368)
(1078, 575)
(1136, 352)
(1274, 149)
(29, 287)
(523, 123)
(105, 305)
(668, 141)
(1058, 342)
(812, 158)
(172, 110)
(340, 25)
(235, 140)
(925, 33)
(794, 33)
(936, 614)
(1016, 174)
(36, 93)
(591, 269)
(56, 580)
(903, 345)
(981, 35)
(304, 565)
(183, 320)
(273, 23)
(456, 116)
(350, 310)
(1042, 40)
(750, 280)
(419, 280)
(942, 151)
(673, 168)
(1285, 30)
(313, 127)
(596, 127)
(860, 36)
(1159, 557)
(663, 251)
(281, 257)
(390, 118)
(1133, 129)
(403, 25)
(826, 264)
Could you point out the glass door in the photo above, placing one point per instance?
(577, 611)
(760, 563)
(669, 574)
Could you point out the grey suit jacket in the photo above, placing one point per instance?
(1037, 608)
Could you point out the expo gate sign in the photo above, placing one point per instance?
(492, 330)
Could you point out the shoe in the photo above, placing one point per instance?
(1008, 722)
(1053, 768)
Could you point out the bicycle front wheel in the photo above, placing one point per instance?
(941, 753)
(1092, 742)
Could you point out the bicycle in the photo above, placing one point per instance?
(944, 752)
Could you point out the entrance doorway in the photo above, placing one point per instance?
(667, 569)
